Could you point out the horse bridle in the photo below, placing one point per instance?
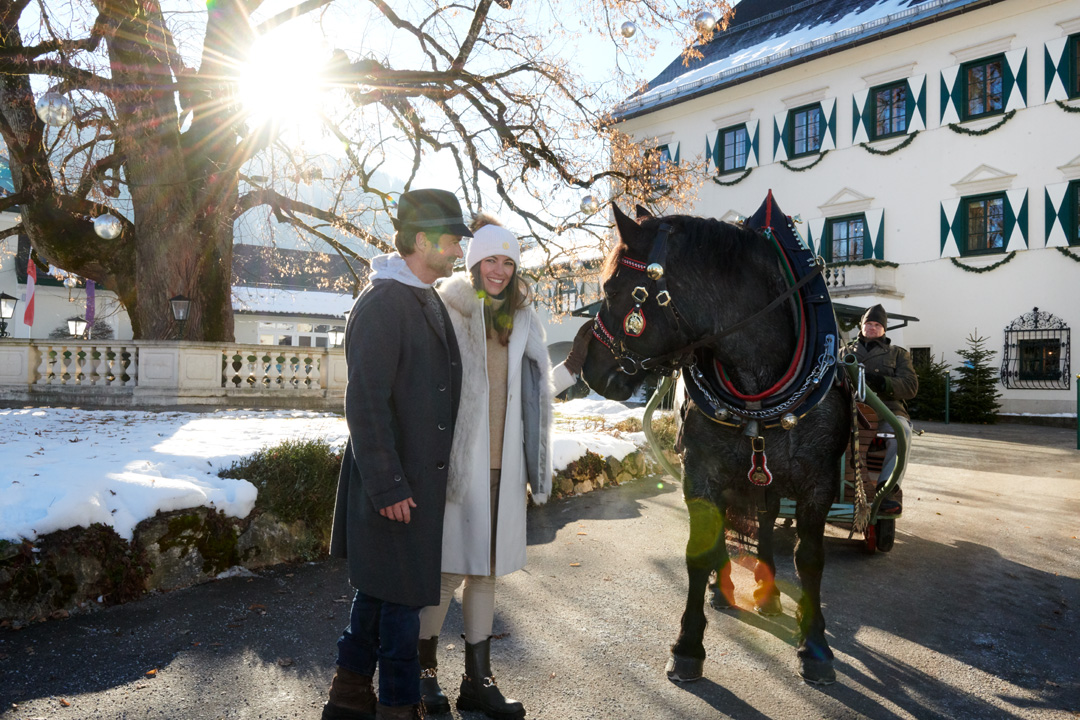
(669, 363)
(634, 323)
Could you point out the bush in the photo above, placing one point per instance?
(296, 480)
(929, 404)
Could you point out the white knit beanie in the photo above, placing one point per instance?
(492, 240)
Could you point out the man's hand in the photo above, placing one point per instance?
(399, 511)
(876, 382)
(576, 359)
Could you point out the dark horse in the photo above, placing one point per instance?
(715, 276)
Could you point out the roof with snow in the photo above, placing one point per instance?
(281, 301)
(767, 36)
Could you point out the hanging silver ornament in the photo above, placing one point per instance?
(589, 206)
(628, 29)
(54, 109)
(70, 281)
(107, 227)
(704, 21)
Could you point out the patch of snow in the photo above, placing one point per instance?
(568, 447)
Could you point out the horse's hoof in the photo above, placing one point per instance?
(681, 668)
(770, 607)
(717, 599)
(816, 671)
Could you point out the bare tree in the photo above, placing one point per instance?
(160, 138)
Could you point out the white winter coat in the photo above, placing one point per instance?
(467, 521)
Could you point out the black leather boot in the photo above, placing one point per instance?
(434, 698)
(478, 689)
(352, 697)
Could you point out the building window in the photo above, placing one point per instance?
(1037, 353)
(846, 239)
(1074, 66)
(984, 87)
(806, 130)
(658, 162)
(921, 357)
(300, 334)
(734, 147)
(890, 110)
(1074, 210)
(984, 229)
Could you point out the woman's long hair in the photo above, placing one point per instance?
(498, 319)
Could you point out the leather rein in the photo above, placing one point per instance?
(669, 363)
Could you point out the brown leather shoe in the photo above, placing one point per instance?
(352, 697)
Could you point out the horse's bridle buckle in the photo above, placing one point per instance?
(663, 298)
(640, 294)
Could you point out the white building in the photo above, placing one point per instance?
(932, 148)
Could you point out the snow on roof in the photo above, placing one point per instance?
(277, 301)
(756, 42)
(566, 248)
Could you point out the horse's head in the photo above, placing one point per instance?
(638, 326)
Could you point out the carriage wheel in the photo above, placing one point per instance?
(886, 534)
(870, 540)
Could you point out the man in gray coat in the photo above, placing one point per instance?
(400, 403)
(890, 374)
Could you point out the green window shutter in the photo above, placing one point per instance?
(675, 157)
(1056, 70)
(1016, 220)
(860, 117)
(779, 149)
(710, 159)
(828, 124)
(951, 227)
(1057, 215)
(752, 151)
(951, 95)
(815, 234)
(1014, 82)
(874, 247)
(916, 103)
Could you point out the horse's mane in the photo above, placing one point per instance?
(712, 243)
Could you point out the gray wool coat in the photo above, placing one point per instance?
(400, 404)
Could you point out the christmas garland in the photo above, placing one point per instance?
(890, 151)
(736, 181)
(804, 168)
(988, 268)
(964, 131)
(1066, 253)
(865, 261)
(1067, 108)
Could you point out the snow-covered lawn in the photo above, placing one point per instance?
(62, 468)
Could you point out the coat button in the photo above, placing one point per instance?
(440, 465)
(442, 388)
(442, 426)
(397, 478)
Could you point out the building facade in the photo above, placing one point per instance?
(931, 150)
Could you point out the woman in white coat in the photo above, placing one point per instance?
(501, 442)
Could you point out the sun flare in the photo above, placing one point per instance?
(282, 81)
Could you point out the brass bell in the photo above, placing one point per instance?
(655, 271)
(723, 414)
(788, 421)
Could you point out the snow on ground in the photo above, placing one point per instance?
(62, 468)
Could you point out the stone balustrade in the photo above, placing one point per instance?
(149, 373)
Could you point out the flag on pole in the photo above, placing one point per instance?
(90, 306)
(31, 281)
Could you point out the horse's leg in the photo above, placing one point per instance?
(722, 592)
(815, 657)
(687, 659)
(766, 595)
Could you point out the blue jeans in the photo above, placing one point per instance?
(386, 634)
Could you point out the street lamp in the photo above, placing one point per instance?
(76, 327)
(180, 306)
(7, 310)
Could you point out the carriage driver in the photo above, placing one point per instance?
(890, 374)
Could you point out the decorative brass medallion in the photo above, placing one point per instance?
(634, 324)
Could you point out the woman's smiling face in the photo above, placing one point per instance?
(495, 273)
